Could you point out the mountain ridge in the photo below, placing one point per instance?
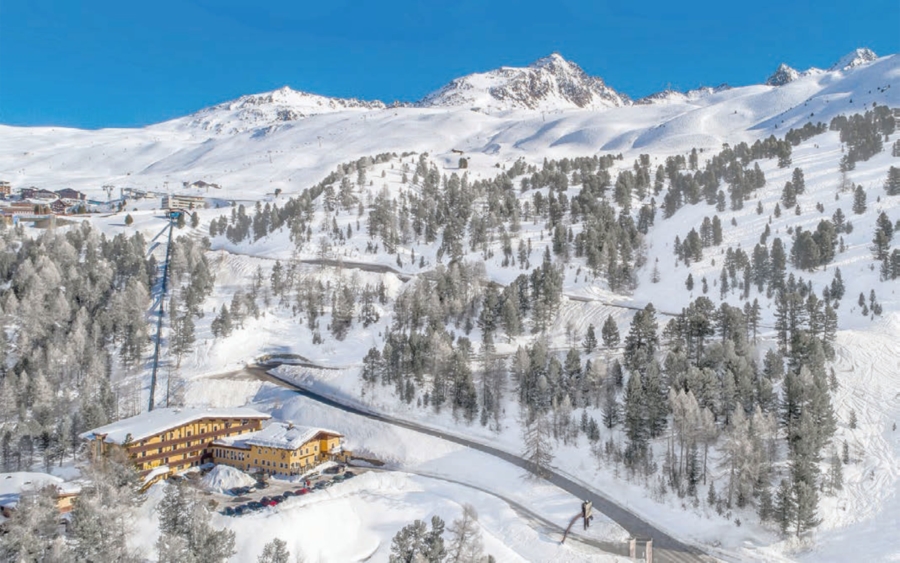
(551, 83)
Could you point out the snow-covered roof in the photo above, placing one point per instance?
(156, 472)
(159, 420)
(280, 435)
(13, 484)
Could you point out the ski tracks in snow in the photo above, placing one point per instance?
(868, 369)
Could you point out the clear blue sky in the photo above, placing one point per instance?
(98, 63)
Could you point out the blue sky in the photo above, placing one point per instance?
(98, 63)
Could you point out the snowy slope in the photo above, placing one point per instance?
(263, 152)
(291, 155)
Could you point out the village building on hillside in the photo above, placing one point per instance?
(164, 441)
(280, 449)
(186, 202)
(69, 193)
(5, 189)
(36, 193)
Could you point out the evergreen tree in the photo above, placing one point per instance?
(590, 339)
(806, 500)
(408, 543)
(892, 184)
(610, 406)
(859, 200)
(642, 340)
(798, 181)
(275, 551)
(835, 476)
(610, 333)
(635, 419)
(785, 506)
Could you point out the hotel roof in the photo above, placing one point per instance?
(158, 421)
(281, 435)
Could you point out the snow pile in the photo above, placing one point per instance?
(224, 477)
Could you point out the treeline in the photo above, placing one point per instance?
(863, 134)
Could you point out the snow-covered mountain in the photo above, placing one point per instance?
(674, 96)
(854, 59)
(271, 108)
(549, 83)
(289, 140)
(783, 75)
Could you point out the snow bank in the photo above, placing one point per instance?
(223, 478)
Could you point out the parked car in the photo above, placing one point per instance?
(327, 484)
(229, 511)
(349, 475)
(288, 494)
(254, 505)
(337, 478)
(240, 510)
(301, 491)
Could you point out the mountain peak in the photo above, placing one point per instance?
(783, 75)
(855, 58)
(551, 60)
(549, 83)
(271, 109)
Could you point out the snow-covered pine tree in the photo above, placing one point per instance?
(275, 551)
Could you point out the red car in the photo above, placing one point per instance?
(302, 491)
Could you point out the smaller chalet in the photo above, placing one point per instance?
(280, 448)
(14, 485)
